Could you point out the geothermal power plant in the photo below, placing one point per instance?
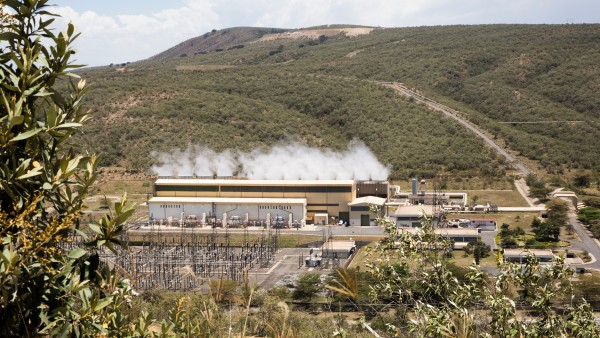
(279, 203)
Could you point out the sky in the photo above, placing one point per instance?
(117, 31)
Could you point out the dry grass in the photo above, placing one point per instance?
(503, 198)
(131, 187)
(460, 184)
(460, 259)
(514, 219)
(236, 239)
(363, 256)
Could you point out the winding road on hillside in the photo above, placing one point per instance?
(452, 113)
(587, 242)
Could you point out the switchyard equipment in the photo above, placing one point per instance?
(185, 260)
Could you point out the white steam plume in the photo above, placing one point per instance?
(293, 161)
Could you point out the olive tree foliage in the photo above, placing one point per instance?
(45, 290)
(475, 305)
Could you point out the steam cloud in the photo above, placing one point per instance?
(293, 161)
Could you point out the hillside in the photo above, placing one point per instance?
(532, 87)
(216, 40)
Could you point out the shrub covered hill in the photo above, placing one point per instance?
(534, 88)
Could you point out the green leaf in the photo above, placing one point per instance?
(26, 135)
(102, 304)
(69, 125)
(70, 29)
(16, 120)
(77, 253)
(31, 173)
(95, 228)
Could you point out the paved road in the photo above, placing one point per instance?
(489, 238)
(587, 242)
(458, 117)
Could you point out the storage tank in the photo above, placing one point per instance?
(415, 183)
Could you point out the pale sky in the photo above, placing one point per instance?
(116, 31)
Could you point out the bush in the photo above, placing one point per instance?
(518, 231)
(508, 242)
(46, 290)
(307, 286)
(531, 243)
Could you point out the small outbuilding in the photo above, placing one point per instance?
(411, 216)
(360, 212)
(338, 249)
(485, 224)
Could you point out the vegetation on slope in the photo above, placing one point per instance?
(314, 91)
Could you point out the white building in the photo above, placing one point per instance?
(409, 215)
(360, 213)
(460, 236)
(519, 255)
(485, 224)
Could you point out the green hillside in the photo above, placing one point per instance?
(319, 91)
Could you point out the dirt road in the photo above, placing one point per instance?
(401, 89)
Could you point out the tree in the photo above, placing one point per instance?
(505, 230)
(557, 212)
(557, 217)
(582, 180)
(45, 290)
(518, 231)
(307, 286)
(478, 249)
(537, 187)
(474, 200)
(546, 231)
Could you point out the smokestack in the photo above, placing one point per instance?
(415, 183)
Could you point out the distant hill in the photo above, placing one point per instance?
(533, 88)
(217, 40)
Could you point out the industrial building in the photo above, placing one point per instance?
(265, 200)
(408, 215)
(520, 255)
